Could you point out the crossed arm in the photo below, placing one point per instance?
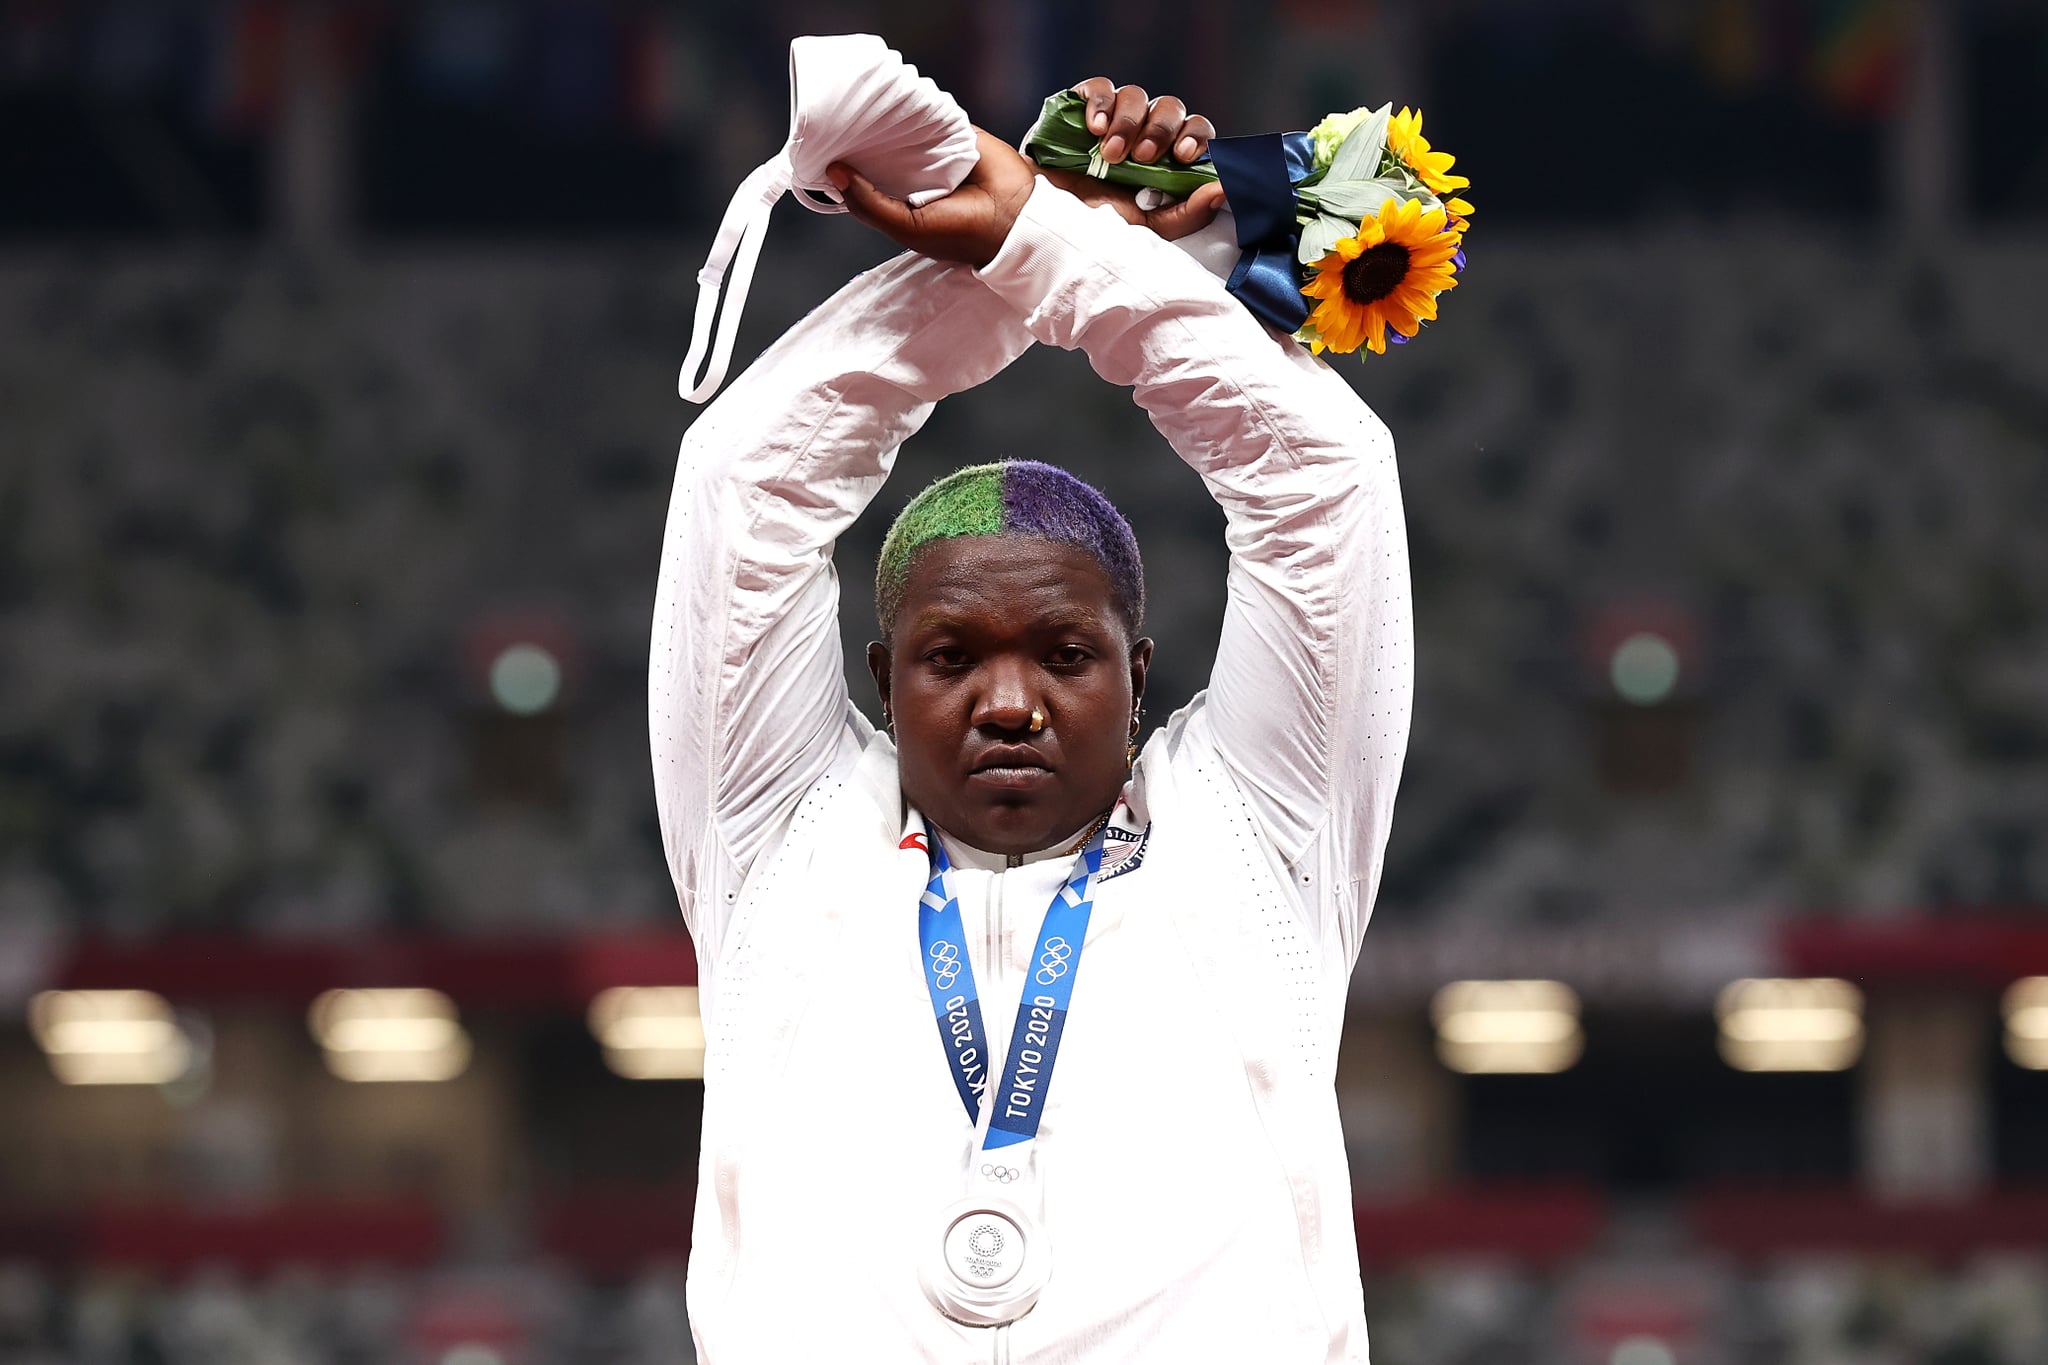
(1308, 706)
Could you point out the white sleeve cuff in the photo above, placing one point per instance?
(1047, 245)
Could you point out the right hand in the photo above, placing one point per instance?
(972, 222)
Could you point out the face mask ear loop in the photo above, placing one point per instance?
(810, 200)
(740, 234)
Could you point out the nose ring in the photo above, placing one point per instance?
(1037, 720)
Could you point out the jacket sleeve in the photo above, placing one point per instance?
(1308, 706)
(747, 703)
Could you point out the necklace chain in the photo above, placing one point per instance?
(1089, 833)
(1017, 859)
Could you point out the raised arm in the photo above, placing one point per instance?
(1309, 703)
(747, 703)
(1308, 707)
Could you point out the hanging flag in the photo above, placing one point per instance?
(248, 65)
(1732, 44)
(1859, 54)
(649, 78)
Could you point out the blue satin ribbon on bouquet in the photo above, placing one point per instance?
(1259, 174)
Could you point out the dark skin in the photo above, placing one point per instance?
(992, 628)
(972, 222)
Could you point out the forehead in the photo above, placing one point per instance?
(1010, 580)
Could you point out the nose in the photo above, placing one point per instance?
(1007, 701)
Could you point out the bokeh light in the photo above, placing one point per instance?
(472, 1353)
(117, 1037)
(390, 1035)
(525, 679)
(1644, 668)
(1790, 1024)
(1641, 1351)
(2026, 1022)
(1508, 1027)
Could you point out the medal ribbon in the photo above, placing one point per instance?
(1019, 1100)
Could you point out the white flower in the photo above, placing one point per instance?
(1331, 132)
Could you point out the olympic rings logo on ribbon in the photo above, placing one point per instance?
(1002, 1175)
(945, 963)
(1052, 963)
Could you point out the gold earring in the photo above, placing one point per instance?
(1131, 749)
(1037, 720)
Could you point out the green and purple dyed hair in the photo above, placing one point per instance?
(1013, 498)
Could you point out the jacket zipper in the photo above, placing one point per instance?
(990, 1020)
(999, 1337)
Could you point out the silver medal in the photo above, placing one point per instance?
(988, 1263)
(984, 1249)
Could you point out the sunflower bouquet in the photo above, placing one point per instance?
(1349, 231)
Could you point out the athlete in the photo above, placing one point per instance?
(1020, 1041)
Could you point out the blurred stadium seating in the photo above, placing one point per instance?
(265, 514)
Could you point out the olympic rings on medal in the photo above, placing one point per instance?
(945, 963)
(1002, 1175)
(1052, 963)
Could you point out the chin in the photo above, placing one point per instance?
(1006, 816)
(1009, 829)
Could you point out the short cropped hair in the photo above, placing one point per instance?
(1021, 498)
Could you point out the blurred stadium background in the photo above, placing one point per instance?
(1704, 1018)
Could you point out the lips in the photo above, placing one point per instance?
(1011, 764)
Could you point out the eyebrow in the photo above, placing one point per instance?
(933, 618)
(1072, 620)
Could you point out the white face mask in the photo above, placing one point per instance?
(854, 99)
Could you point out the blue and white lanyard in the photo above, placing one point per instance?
(1042, 1013)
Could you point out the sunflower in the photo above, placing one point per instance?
(1405, 140)
(1387, 276)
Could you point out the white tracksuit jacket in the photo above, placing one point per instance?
(1195, 1189)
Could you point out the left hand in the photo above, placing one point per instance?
(972, 223)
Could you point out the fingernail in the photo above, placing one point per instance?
(1186, 149)
(1097, 121)
(838, 176)
(1113, 150)
(1147, 150)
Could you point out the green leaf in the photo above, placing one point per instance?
(1353, 199)
(1179, 181)
(1320, 238)
(1358, 158)
(1060, 141)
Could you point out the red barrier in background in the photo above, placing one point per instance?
(1751, 1222)
(1539, 1225)
(301, 1232)
(618, 1231)
(553, 974)
(1982, 952)
(1986, 951)
(615, 1232)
